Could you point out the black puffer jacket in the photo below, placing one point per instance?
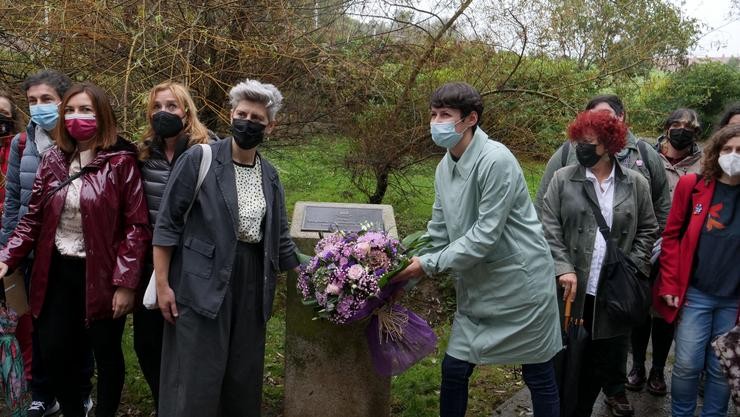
(155, 171)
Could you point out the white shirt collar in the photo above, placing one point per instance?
(590, 175)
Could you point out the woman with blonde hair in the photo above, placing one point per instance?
(173, 128)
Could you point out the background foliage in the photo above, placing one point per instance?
(365, 68)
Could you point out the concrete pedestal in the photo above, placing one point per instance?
(328, 372)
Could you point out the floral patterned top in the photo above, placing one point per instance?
(69, 239)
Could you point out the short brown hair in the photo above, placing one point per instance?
(710, 165)
(107, 133)
(460, 96)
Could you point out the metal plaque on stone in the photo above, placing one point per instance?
(348, 219)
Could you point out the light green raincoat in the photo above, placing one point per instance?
(485, 232)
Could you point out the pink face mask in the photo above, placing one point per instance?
(81, 127)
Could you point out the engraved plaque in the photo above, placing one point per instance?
(331, 219)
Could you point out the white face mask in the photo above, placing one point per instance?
(730, 163)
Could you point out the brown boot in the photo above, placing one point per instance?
(620, 405)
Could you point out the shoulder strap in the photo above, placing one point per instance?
(205, 165)
(687, 219)
(63, 184)
(564, 151)
(600, 221)
(642, 150)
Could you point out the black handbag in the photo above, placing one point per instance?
(623, 290)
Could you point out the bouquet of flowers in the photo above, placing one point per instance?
(349, 280)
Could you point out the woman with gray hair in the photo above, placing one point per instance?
(217, 251)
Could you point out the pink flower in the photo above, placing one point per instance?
(362, 249)
(356, 272)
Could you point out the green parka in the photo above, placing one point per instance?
(486, 234)
(570, 229)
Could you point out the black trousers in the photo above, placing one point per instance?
(214, 367)
(662, 337)
(148, 327)
(65, 342)
(601, 367)
(40, 384)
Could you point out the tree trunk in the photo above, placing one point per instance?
(381, 186)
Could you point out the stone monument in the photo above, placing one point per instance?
(328, 372)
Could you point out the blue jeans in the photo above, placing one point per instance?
(702, 318)
(539, 377)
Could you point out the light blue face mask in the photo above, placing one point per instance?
(444, 134)
(45, 115)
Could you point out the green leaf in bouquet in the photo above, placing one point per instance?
(310, 303)
(416, 242)
(386, 278)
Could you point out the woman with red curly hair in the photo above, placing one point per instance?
(623, 197)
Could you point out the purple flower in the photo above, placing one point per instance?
(344, 273)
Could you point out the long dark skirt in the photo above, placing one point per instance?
(214, 367)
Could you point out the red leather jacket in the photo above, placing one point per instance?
(677, 253)
(114, 223)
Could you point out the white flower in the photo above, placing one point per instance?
(332, 289)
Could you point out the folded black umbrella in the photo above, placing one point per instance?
(568, 362)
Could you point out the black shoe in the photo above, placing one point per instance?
(41, 409)
(620, 405)
(635, 379)
(656, 383)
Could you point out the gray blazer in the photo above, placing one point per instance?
(205, 246)
(570, 229)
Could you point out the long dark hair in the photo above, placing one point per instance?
(107, 133)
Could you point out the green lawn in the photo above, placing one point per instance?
(313, 171)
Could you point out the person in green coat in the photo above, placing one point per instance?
(485, 233)
(636, 154)
(579, 249)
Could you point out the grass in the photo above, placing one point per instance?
(313, 171)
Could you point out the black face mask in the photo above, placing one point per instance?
(586, 154)
(166, 125)
(7, 125)
(681, 138)
(247, 133)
